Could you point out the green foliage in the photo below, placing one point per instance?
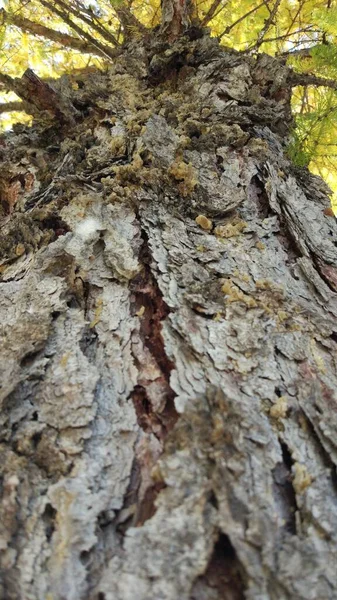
(324, 59)
(326, 19)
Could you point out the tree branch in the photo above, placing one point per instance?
(39, 94)
(16, 105)
(37, 29)
(210, 14)
(106, 51)
(307, 79)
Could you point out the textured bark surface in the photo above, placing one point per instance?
(168, 387)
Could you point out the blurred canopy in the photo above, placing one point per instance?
(53, 37)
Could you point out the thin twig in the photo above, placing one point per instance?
(230, 27)
(266, 26)
(302, 52)
(287, 35)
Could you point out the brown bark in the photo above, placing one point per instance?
(168, 385)
(39, 96)
(177, 17)
(11, 106)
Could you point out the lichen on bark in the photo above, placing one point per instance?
(168, 390)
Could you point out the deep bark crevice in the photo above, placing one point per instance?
(48, 518)
(222, 579)
(284, 490)
(147, 302)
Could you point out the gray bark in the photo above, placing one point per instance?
(168, 354)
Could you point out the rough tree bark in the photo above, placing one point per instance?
(168, 354)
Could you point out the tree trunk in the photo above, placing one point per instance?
(168, 318)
